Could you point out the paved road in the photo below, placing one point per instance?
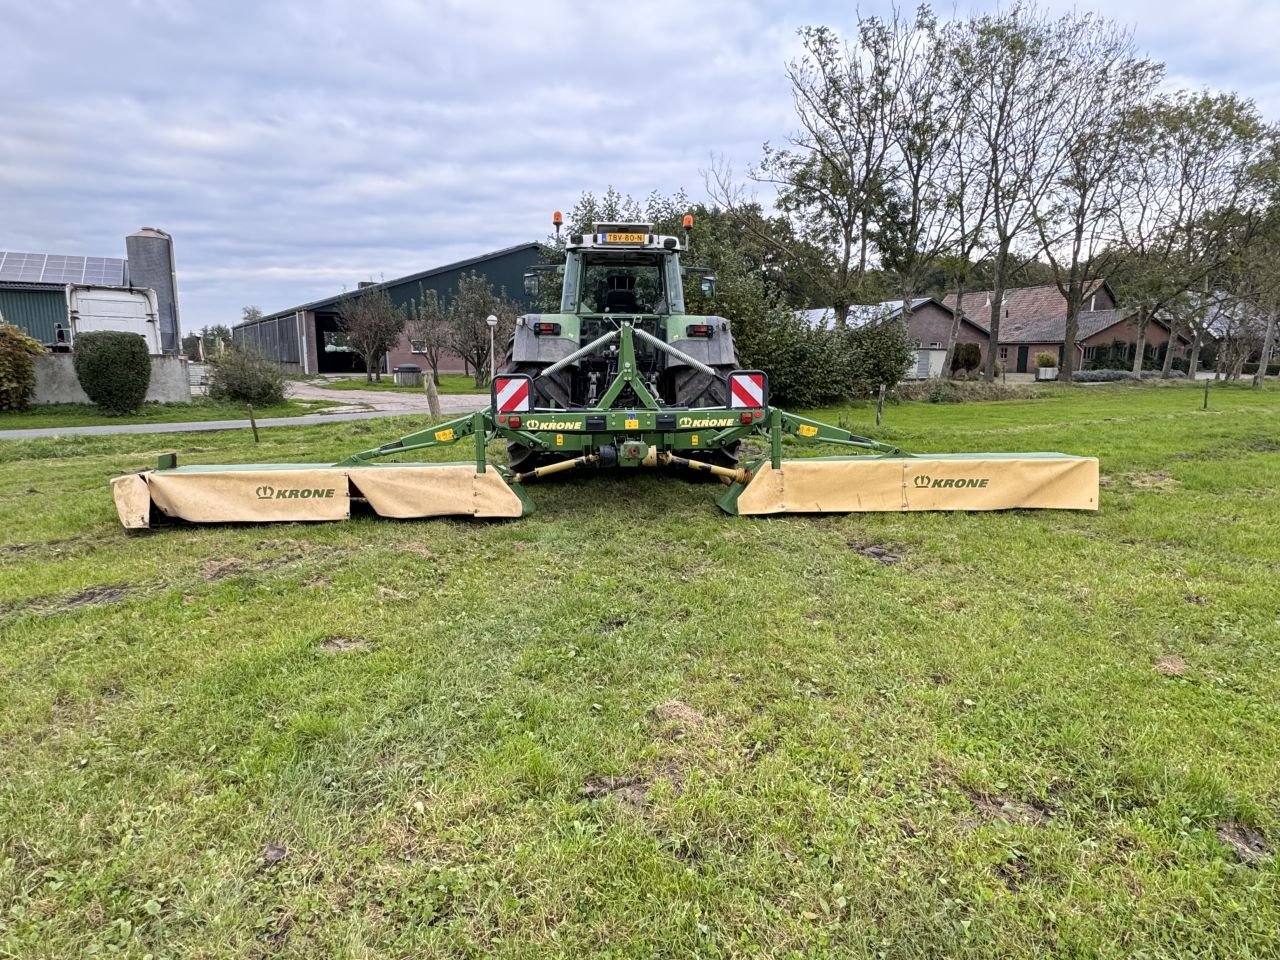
(388, 405)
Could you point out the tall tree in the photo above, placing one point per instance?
(1102, 92)
(917, 220)
(373, 325)
(1017, 63)
(1189, 198)
(469, 333)
(830, 177)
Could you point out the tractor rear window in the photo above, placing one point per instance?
(624, 285)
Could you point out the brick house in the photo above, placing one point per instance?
(1034, 320)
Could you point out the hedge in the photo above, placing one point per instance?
(114, 369)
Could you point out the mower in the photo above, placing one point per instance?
(621, 377)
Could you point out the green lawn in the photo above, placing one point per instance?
(449, 383)
(630, 726)
(199, 409)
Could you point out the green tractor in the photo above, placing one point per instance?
(620, 377)
(622, 275)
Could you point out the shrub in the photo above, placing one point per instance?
(881, 354)
(966, 357)
(243, 375)
(1101, 376)
(114, 369)
(1045, 359)
(807, 367)
(942, 391)
(1273, 369)
(17, 367)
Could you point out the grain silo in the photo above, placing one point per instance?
(151, 264)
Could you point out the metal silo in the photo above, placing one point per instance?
(151, 264)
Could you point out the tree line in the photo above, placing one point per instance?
(935, 153)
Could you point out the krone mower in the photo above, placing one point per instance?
(620, 377)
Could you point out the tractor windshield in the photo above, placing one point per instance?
(630, 283)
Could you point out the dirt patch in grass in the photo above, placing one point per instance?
(678, 718)
(214, 570)
(1014, 872)
(612, 624)
(94, 596)
(1248, 843)
(629, 790)
(996, 807)
(1155, 480)
(344, 644)
(1170, 666)
(316, 581)
(877, 551)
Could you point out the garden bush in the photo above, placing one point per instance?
(114, 369)
(942, 391)
(965, 358)
(17, 367)
(1045, 359)
(807, 366)
(243, 375)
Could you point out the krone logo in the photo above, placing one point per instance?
(951, 483)
(266, 492)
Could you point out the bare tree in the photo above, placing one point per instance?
(429, 329)
(469, 333)
(372, 324)
(1101, 94)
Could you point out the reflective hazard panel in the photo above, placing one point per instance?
(512, 393)
(748, 388)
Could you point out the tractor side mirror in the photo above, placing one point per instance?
(708, 286)
(531, 284)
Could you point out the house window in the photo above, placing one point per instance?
(1004, 353)
(935, 345)
(418, 346)
(1089, 352)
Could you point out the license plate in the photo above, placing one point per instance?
(624, 238)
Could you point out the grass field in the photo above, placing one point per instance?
(199, 409)
(629, 726)
(449, 383)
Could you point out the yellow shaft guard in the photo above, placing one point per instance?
(872, 485)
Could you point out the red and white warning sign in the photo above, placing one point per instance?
(512, 394)
(747, 388)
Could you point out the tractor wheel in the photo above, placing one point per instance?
(549, 391)
(695, 389)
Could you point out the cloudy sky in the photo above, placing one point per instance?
(294, 148)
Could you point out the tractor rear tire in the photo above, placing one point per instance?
(548, 391)
(696, 389)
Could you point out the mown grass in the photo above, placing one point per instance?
(199, 409)
(449, 383)
(630, 726)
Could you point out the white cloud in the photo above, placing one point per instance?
(293, 148)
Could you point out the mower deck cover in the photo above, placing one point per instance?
(259, 493)
(975, 481)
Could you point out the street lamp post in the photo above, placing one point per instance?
(492, 321)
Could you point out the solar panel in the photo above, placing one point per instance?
(54, 268)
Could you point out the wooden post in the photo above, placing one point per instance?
(1206, 394)
(433, 395)
(253, 423)
(880, 406)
